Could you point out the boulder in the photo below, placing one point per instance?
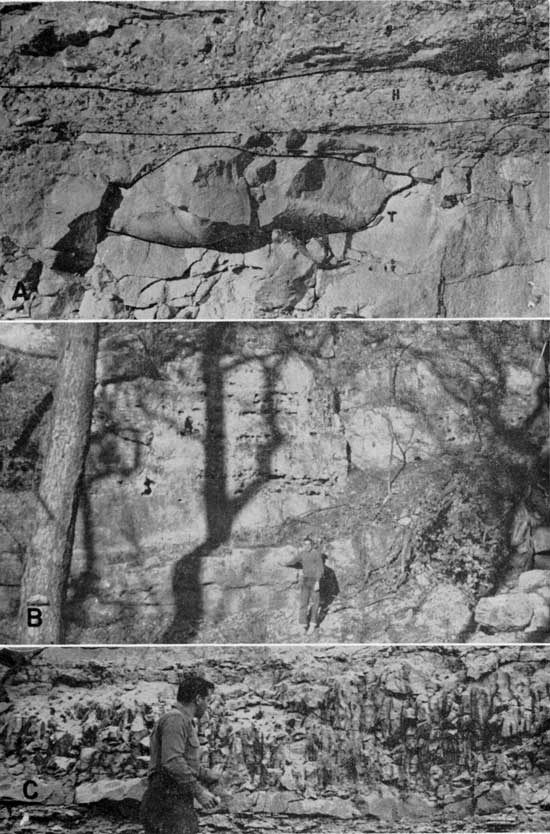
(383, 803)
(458, 809)
(343, 809)
(126, 256)
(195, 199)
(505, 612)
(445, 615)
(498, 798)
(116, 791)
(324, 196)
(540, 621)
(533, 580)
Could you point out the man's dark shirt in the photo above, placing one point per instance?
(312, 564)
(175, 748)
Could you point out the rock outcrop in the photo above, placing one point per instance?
(189, 160)
(335, 739)
(411, 452)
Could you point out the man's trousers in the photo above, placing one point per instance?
(165, 809)
(309, 596)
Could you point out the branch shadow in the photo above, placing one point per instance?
(221, 508)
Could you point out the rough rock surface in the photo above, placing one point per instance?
(411, 452)
(330, 739)
(232, 159)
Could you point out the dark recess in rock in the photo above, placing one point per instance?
(77, 249)
(295, 140)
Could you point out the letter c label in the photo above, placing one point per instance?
(30, 783)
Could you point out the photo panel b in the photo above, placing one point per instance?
(255, 482)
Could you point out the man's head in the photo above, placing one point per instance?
(308, 541)
(195, 691)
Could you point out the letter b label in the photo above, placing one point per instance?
(34, 617)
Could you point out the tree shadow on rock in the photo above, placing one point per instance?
(221, 507)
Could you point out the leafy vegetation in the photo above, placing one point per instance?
(462, 534)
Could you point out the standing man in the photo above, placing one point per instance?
(312, 571)
(175, 773)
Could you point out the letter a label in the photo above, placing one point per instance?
(20, 292)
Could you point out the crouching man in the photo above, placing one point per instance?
(175, 774)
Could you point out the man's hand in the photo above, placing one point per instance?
(206, 799)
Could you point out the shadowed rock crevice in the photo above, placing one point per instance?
(77, 249)
(48, 41)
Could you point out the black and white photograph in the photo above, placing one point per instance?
(230, 160)
(274, 482)
(274, 417)
(208, 740)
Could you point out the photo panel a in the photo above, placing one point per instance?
(283, 159)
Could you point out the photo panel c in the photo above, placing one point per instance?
(332, 740)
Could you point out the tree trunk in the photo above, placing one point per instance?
(48, 558)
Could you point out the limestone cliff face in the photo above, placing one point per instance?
(311, 159)
(411, 452)
(330, 739)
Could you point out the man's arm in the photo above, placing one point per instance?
(174, 740)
